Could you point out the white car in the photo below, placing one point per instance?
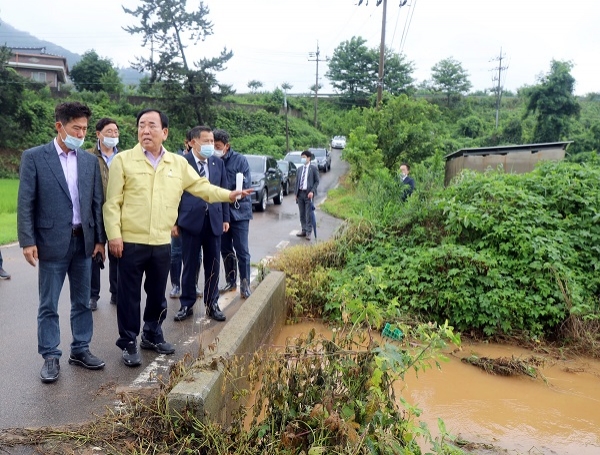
(338, 142)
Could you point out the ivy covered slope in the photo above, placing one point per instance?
(495, 253)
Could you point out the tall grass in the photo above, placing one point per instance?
(8, 210)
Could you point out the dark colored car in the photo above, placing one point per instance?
(294, 157)
(289, 173)
(266, 181)
(322, 158)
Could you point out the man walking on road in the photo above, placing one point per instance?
(59, 223)
(144, 189)
(306, 187)
(234, 242)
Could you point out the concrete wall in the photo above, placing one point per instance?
(250, 327)
(517, 162)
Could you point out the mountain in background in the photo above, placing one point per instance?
(12, 37)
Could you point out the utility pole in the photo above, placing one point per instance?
(315, 58)
(381, 56)
(500, 68)
(287, 131)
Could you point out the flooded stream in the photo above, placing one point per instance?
(517, 415)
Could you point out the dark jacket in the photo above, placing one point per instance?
(312, 180)
(192, 209)
(407, 186)
(234, 163)
(103, 166)
(45, 210)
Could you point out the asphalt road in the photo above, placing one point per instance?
(80, 394)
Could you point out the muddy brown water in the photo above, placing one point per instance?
(516, 415)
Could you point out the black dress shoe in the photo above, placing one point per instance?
(50, 370)
(301, 234)
(161, 348)
(228, 287)
(131, 355)
(214, 312)
(87, 360)
(183, 313)
(93, 304)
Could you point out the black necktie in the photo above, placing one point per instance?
(202, 171)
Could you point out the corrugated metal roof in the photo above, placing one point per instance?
(504, 149)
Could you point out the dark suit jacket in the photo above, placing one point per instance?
(312, 181)
(408, 186)
(193, 210)
(45, 210)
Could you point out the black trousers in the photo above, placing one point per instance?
(191, 245)
(112, 278)
(153, 262)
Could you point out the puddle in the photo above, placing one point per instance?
(519, 415)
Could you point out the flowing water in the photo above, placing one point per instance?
(516, 415)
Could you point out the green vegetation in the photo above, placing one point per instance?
(8, 210)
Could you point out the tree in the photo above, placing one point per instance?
(90, 72)
(166, 26)
(286, 86)
(553, 103)
(12, 94)
(449, 77)
(353, 70)
(315, 88)
(254, 85)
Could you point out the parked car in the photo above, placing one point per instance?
(294, 157)
(289, 175)
(266, 181)
(338, 142)
(322, 158)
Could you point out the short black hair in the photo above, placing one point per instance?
(197, 130)
(105, 121)
(307, 153)
(65, 112)
(407, 166)
(221, 136)
(164, 120)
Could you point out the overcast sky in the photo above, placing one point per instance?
(271, 39)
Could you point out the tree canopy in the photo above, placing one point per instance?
(553, 103)
(449, 77)
(95, 74)
(167, 27)
(353, 71)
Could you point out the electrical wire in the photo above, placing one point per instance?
(407, 27)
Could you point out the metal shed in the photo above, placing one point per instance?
(517, 159)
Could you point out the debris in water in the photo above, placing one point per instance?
(505, 366)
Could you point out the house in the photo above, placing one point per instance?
(517, 159)
(34, 63)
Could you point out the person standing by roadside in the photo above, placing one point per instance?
(107, 135)
(176, 254)
(4, 275)
(406, 181)
(200, 226)
(234, 242)
(306, 188)
(144, 189)
(59, 224)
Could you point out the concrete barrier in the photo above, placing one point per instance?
(203, 392)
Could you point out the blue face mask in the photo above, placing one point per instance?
(71, 142)
(303, 160)
(207, 150)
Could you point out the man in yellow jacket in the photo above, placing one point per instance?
(145, 185)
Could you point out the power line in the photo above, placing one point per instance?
(498, 78)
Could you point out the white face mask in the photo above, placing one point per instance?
(219, 153)
(110, 142)
(72, 142)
